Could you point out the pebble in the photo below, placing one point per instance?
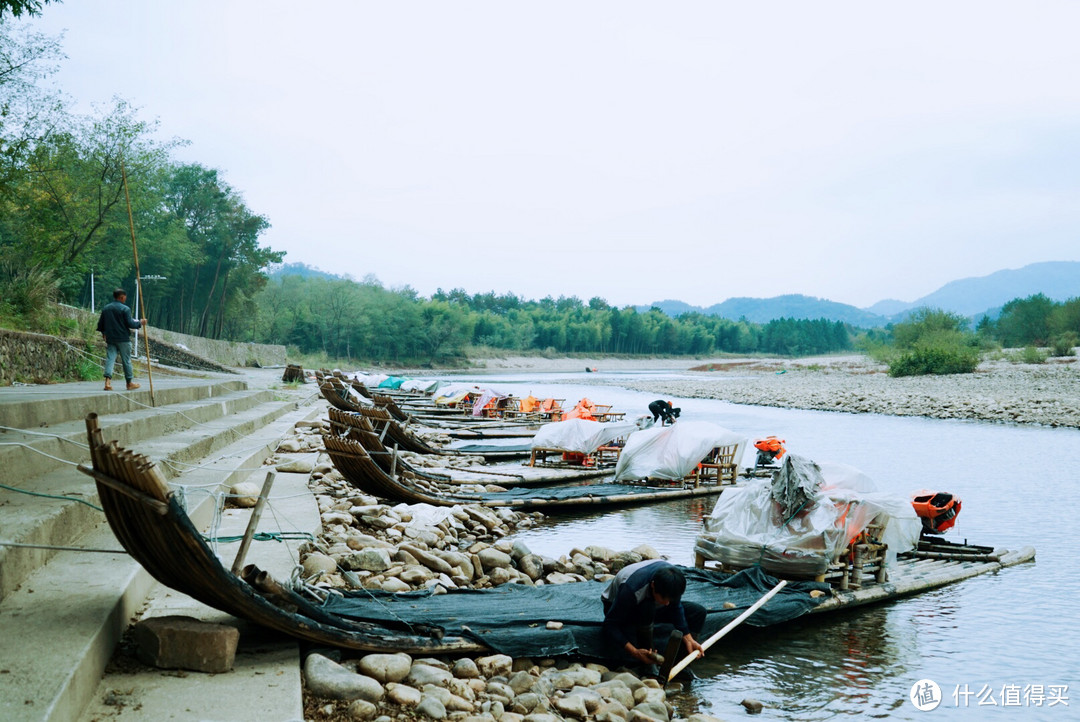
(328, 679)
(245, 494)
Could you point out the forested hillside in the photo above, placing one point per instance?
(348, 319)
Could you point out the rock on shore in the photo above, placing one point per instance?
(483, 689)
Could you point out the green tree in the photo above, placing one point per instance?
(17, 7)
(1025, 321)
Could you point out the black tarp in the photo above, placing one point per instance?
(573, 491)
(511, 619)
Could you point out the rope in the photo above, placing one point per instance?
(80, 444)
(210, 465)
(265, 536)
(51, 496)
(39, 451)
(61, 549)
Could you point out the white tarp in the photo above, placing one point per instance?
(747, 526)
(454, 393)
(579, 435)
(486, 397)
(672, 452)
(425, 385)
(370, 380)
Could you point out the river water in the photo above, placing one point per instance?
(996, 645)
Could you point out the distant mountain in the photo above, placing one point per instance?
(763, 310)
(303, 270)
(973, 297)
(889, 307)
(1057, 280)
(671, 308)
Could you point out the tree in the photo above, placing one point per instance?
(18, 7)
(1025, 321)
(74, 191)
(27, 111)
(444, 329)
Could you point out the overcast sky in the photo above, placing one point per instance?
(635, 151)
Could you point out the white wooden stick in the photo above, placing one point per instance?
(253, 522)
(730, 625)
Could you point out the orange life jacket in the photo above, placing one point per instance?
(772, 444)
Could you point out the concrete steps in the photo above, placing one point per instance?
(177, 433)
(64, 611)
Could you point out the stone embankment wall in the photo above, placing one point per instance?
(173, 355)
(37, 358)
(225, 353)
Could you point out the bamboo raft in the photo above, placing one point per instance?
(859, 576)
(914, 574)
(358, 429)
(344, 423)
(362, 471)
(154, 529)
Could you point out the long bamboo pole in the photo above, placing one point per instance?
(138, 282)
(730, 625)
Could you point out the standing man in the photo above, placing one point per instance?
(642, 595)
(116, 325)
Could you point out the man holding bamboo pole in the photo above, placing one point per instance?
(115, 325)
(642, 595)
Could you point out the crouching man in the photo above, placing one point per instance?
(642, 595)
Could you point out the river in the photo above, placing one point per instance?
(996, 645)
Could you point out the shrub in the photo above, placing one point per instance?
(1031, 355)
(29, 294)
(89, 370)
(929, 326)
(925, 360)
(1063, 344)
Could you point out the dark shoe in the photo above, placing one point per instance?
(132, 386)
(108, 384)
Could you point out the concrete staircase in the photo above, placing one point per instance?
(62, 611)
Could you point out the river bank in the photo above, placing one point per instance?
(1046, 394)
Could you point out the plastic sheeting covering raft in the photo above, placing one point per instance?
(672, 452)
(803, 519)
(579, 435)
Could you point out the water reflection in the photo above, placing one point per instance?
(1013, 627)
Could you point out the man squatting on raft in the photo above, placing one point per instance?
(645, 594)
(116, 324)
(663, 410)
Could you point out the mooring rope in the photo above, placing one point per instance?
(50, 496)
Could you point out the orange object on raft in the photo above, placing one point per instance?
(771, 445)
(937, 509)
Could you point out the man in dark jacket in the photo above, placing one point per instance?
(115, 325)
(644, 594)
(663, 411)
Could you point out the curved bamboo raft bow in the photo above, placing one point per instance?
(153, 528)
(397, 484)
(375, 436)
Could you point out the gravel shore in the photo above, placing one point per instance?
(1047, 394)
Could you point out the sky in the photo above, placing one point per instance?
(635, 151)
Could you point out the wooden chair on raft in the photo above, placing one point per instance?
(718, 467)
